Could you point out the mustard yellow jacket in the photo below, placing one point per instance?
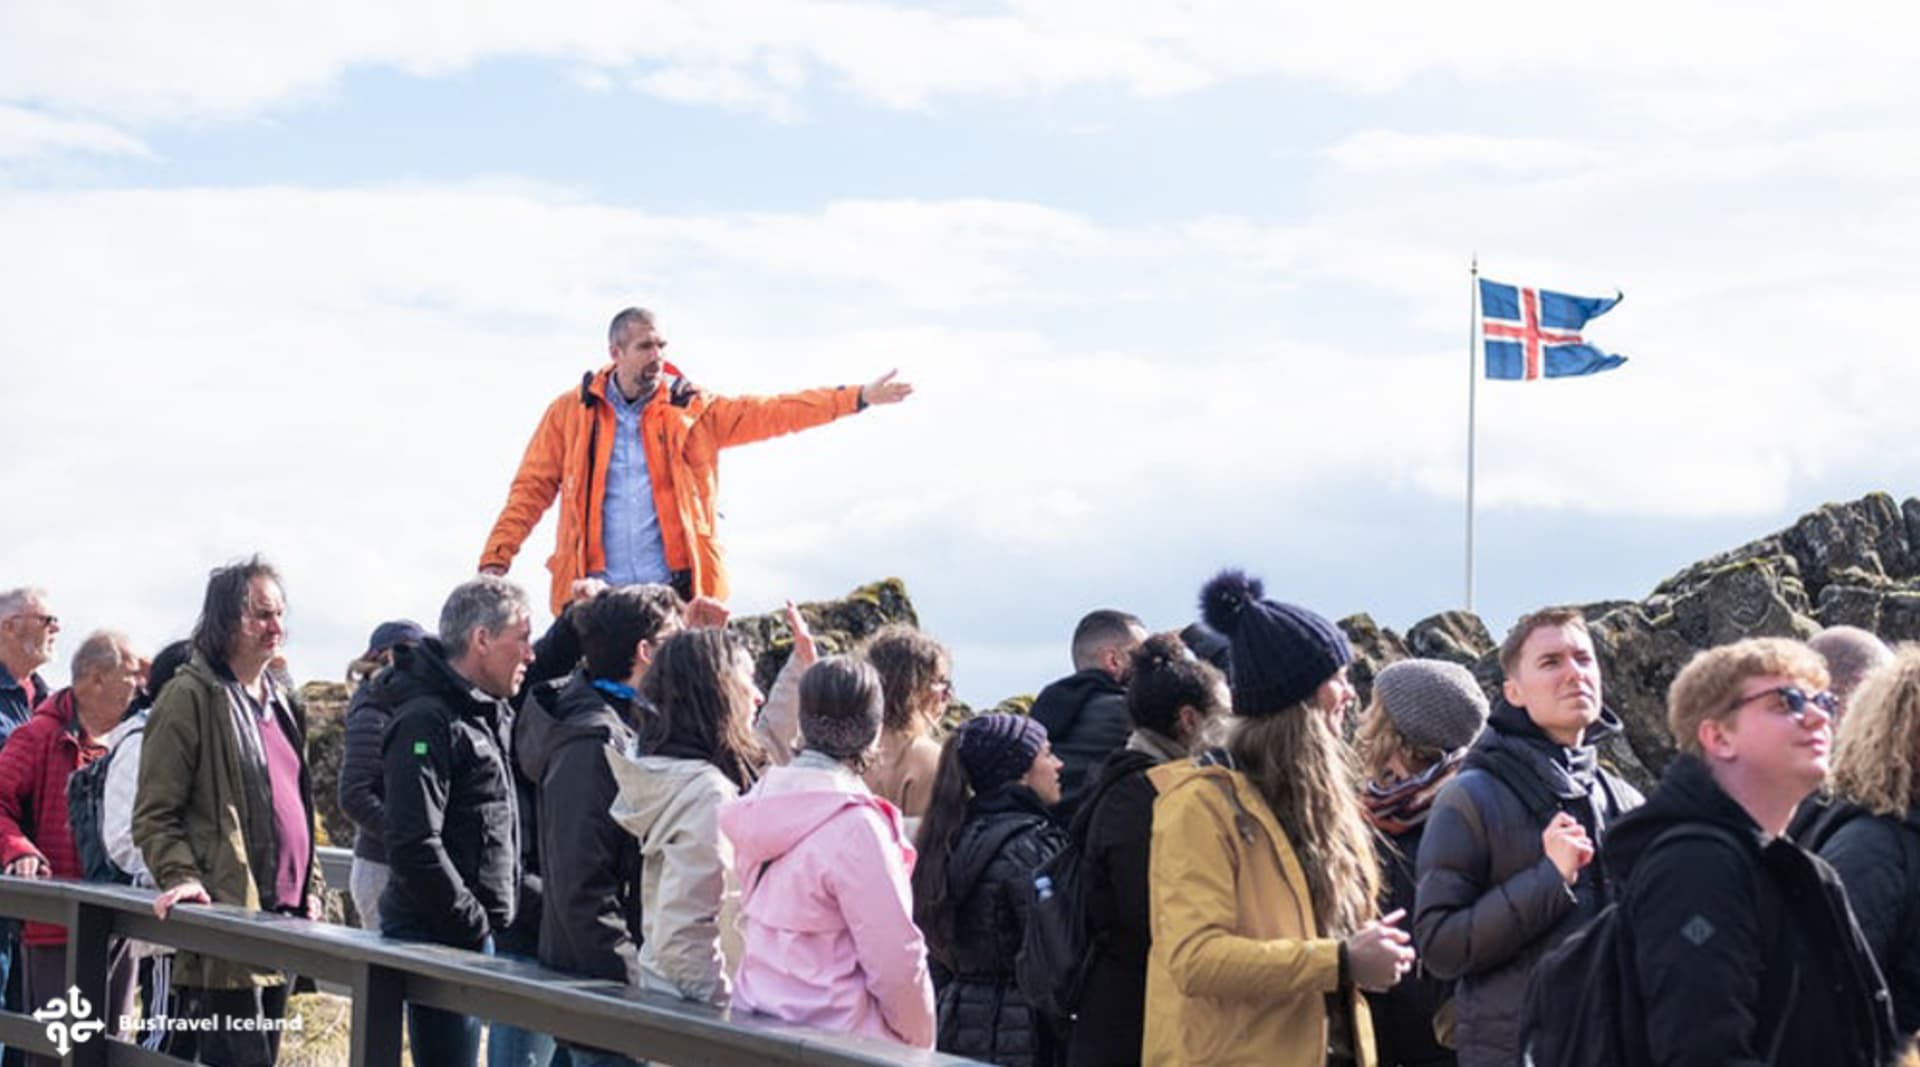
(1236, 974)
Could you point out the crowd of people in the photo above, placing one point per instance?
(1196, 849)
(1265, 871)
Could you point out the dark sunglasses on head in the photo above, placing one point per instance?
(1795, 699)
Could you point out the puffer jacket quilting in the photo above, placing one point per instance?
(982, 1012)
(1488, 901)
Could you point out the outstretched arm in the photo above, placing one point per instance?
(740, 420)
(534, 486)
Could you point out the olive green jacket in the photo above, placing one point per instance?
(204, 808)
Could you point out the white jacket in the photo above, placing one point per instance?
(116, 804)
(689, 899)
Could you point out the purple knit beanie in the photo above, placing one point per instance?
(997, 749)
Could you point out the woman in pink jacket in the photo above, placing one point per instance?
(823, 867)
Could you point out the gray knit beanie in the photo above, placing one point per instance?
(1432, 703)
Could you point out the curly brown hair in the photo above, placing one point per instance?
(910, 664)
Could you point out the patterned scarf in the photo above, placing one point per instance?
(1394, 809)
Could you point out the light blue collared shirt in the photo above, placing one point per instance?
(629, 525)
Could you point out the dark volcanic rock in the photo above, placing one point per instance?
(837, 625)
(1455, 636)
(326, 729)
(1373, 648)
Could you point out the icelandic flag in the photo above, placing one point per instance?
(1535, 333)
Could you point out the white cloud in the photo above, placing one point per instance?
(1372, 151)
(1686, 65)
(25, 133)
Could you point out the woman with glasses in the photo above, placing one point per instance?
(1871, 832)
(916, 676)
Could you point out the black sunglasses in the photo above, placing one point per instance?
(1796, 700)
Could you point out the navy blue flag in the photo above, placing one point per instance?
(1535, 333)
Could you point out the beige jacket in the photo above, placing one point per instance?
(689, 898)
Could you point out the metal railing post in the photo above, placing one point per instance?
(89, 941)
(376, 1020)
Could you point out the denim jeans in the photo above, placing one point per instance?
(510, 1046)
(442, 1037)
(9, 946)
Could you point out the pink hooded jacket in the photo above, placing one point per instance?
(829, 940)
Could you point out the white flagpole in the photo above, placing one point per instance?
(1473, 388)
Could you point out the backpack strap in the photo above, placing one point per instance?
(590, 402)
(1083, 819)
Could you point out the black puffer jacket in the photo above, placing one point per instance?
(983, 1014)
(1117, 831)
(1086, 719)
(1745, 955)
(1403, 1016)
(362, 774)
(590, 915)
(452, 824)
(1488, 901)
(1878, 860)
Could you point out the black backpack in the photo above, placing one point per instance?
(1056, 950)
(1590, 990)
(86, 801)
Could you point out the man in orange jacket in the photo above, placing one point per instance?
(633, 454)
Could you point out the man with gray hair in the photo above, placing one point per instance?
(68, 731)
(634, 455)
(1851, 654)
(452, 823)
(27, 631)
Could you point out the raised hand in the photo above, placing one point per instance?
(884, 390)
(803, 648)
(707, 612)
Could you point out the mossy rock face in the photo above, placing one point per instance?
(837, 625)
(326, 704)
(1374, 646)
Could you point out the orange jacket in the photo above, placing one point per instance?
(683, 430)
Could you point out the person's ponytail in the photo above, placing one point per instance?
(939, 827)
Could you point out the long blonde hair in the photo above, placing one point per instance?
(1873, 762)
(1305, 773)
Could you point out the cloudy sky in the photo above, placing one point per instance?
(1179, 284)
